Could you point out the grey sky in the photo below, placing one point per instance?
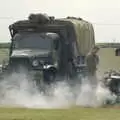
(99, 12)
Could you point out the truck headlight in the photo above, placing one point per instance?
(35, 63)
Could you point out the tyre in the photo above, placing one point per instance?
(49, 76)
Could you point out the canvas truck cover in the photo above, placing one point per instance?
(84, 35)
(84, 32)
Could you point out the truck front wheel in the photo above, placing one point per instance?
(49, 76)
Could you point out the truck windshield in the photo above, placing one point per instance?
(34, 40)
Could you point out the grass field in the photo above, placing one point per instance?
(57, 114)
(3, 54)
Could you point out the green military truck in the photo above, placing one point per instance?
(55, 47)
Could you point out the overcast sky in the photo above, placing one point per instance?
(104, 14)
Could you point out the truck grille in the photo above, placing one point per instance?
(16, 63)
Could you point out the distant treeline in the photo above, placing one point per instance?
(4, 45)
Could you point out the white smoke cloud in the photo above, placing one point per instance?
(19, 90)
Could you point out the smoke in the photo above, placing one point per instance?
(94, 97)
(19, 90)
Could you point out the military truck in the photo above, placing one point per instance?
(51, 46)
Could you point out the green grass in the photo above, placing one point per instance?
(3, 54)
(57, 114)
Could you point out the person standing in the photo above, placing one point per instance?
(92, 61)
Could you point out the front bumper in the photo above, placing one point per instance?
(44, 67)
